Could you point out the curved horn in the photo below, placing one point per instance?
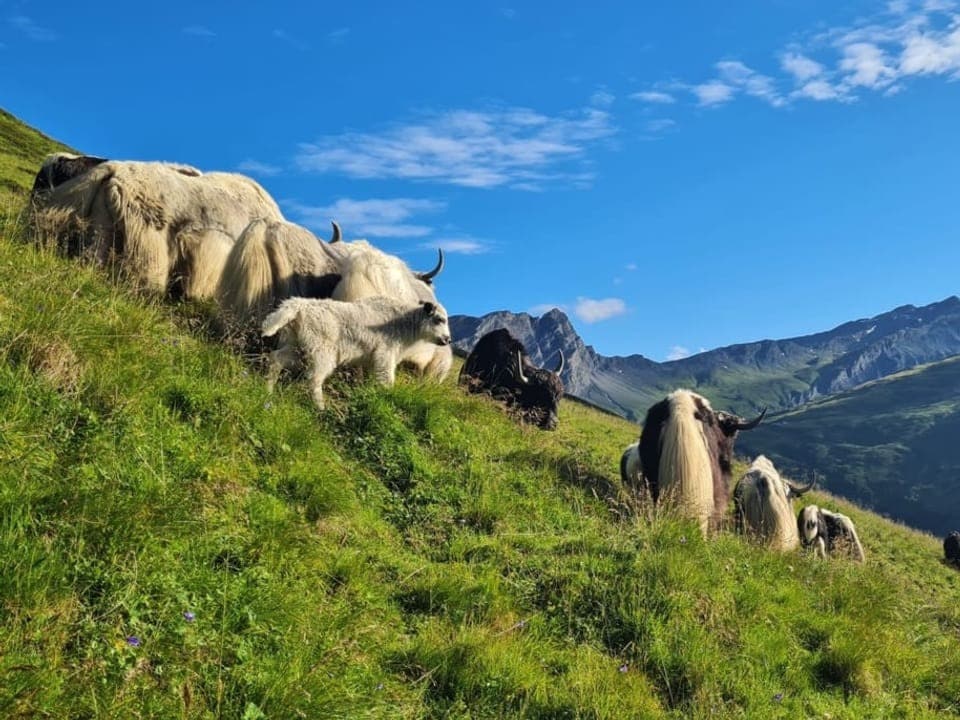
(750, 425)
(337, 235)
(799, 489)
(428, 276)
(523, 377)
(560, 364)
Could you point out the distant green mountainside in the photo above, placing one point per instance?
(893, 444)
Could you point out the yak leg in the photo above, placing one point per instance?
(203, 255)
(384, 369)
(284, 357)
(321, 368)
(820, 548)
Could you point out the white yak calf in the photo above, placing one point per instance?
(374, 333)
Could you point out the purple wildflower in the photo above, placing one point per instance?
(189, 616)
(379, 686)
(133, 641)
(778, 697)
(623, 668)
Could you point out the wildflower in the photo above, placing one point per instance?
(778, 697)
(379, 686)
(522, 624)
(189, 616)
(133, 641)
(683, 539)
(623, 668)
(267, 405)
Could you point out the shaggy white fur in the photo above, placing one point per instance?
(372, 332)
(686, 475)
(763, 498)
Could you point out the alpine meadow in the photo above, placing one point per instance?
(176, 542)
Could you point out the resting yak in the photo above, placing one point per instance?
(500, 366)
(951, 548)
(762, 502)
(156, 221)
(686, 454)
(828, 532)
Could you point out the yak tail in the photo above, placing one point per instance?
(686, 474)
(203, 255)
(276, 321)
(256, 274)
(145, 254)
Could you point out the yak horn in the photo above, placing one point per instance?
(798, 489)
(337, 235)
(560, 364)
(428, 276)
(523, 377)
(744, 425)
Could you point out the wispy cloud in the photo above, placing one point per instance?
(461, 245)
(198, 31)
(369, 218)
(630, 266)
(678, 352)
(602, 98)
(508, 13)
(654, 96)
(591, 311)
(335, 37)
(285, 37)
(878, 53)
(659, 125)
(258, 168)
(514, 147)
(31, 30)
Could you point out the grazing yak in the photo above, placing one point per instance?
(763, 508)
(828, 532)
(951, 548)
(686, 454)
(133, 214)
(500, 366)
(373, 333)
(273, 260)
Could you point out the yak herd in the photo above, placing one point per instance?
(171, 229)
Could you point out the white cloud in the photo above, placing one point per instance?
(338, 36)
(369, 218)
(678, 352)
(515, 147)
(654, 96)
(800, 66)
(713, 93)
(198, 31)
(876, 53)
(659, 125)
(286, 37)
(31, 30)
(258, 168)
(463, 246)
(508, 13)
(544, 308)
(591, 311)
(631, 266)
(602, 98)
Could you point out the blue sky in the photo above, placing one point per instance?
(675, 178)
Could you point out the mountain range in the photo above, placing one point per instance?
(872, 407)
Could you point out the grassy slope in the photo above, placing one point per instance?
(891, 443)
(408, 553)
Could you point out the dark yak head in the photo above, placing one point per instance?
(719, 430)
(499, 365)
(58, 169)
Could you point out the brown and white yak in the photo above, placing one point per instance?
(763, 505)
(686, 455)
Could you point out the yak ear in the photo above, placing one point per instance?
(429, 308)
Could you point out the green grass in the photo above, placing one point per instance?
(407, 553)
(21, 150)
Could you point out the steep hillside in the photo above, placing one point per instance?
(779, 374)
(174, 542)
(21, 150)
(891, 444)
